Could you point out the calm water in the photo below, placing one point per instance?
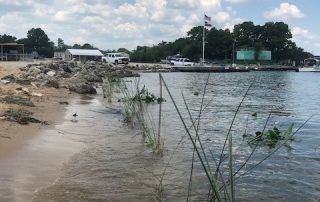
(115, 166)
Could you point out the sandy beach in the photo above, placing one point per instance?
(47, 109)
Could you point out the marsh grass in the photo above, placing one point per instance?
(136, 113)
(109, 84)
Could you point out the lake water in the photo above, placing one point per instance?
(115, 165)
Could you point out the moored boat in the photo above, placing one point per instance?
(311, 65)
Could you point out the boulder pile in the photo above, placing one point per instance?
(77, 77)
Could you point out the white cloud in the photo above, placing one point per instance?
(230, 25)
(93, 20)
(300, 33)
(236, 1)
(61, 16)
(109, 24)
(222, 17)
(12, 18)
(306, 39)
(285, 12)
(10, 2)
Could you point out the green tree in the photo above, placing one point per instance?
(87, 46)
(78, 46)
(40, 42)
(245, 34)
(61, 46)
(123, 50)
(275, 36)
(7, 39)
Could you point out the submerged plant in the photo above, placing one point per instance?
(147, 97)
(270, 138)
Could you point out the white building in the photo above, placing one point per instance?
(83, 55)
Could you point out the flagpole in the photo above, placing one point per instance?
(203, 38)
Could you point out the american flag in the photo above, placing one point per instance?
(207, 20)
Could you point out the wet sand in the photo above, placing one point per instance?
(31, 156)
(47, 108)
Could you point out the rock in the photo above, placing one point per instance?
(51, 83)
(8, 79)
(23, 81)
(36, 94)
(46, 70)
(36, 85)
(83, 88)
(63, 102)
(13, 99)
(34, 70)
(91, 77)
(53, 66)
(51, 73)
(25, 90)
(4, 81)
(20, 116)
(66, 68)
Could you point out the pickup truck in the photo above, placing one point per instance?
(115, 58)
(181, 62)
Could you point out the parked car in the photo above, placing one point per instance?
(115, 58)
(182, 62)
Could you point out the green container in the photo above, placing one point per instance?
(249, 55)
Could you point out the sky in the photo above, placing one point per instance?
(113, 24)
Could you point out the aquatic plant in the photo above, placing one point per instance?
(144, 95)
(270, 138)
(134, 101)
(109, 84)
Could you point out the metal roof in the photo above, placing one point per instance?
(11, 44)
(85, 52)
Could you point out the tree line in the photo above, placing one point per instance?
(37, 40)
(273, 36)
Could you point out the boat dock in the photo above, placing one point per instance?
(206, 69)
(221, 69)
(275, 68)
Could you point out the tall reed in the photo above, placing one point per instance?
(136, 113)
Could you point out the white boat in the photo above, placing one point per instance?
(310, 69)
(311, 65)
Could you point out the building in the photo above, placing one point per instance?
(11, 51)
(83, 55)
(58, 55)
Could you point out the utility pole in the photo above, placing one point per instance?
(233, 51)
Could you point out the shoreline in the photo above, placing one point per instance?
(47, 108)
(13, 135)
